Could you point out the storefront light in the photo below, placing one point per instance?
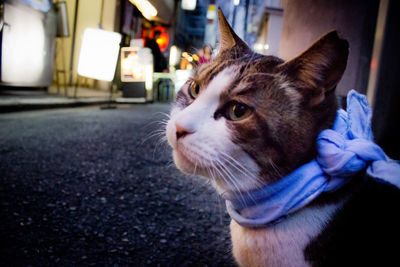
(99, 54)
(147, 9)
(137, 65)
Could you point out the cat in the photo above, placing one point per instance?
(246, 120)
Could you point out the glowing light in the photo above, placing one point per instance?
(196, 57)
(266, 46)
(258, 47)
(236, 2)
(188, 4)
(211, 12)
(99, 54)
(147, 9)
(162, 41)
(174, 56)
(137, 65)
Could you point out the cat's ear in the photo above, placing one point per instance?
(228, 38)
(318, 70)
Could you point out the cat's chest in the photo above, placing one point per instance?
(282, 244)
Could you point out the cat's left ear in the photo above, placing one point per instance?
(319, 69)
(228, 38)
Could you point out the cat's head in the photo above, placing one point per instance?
(246, 119)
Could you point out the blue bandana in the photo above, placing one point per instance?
(342, 152)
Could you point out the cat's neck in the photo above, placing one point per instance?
(305, 225)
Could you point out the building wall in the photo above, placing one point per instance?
(64, 45)
(305, 21)
(88, 16)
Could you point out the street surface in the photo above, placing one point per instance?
(85, 186)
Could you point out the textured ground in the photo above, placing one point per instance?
(87, 186)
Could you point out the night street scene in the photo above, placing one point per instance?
(87, 173)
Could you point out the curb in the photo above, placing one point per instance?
(21, 106)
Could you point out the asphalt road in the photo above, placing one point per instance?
(86, 186)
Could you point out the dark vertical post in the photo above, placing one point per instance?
(73, 42)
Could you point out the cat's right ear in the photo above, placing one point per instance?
(228, 38)
(318, 70)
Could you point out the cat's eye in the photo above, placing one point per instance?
(194, 89)
(237, 111)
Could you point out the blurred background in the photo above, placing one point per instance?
(47, 44)
(88, 186)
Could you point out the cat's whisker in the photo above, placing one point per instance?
(231, 180)
(158, 121)
(275, 167)
(158, 132)
(233, 177)
(168, 116)
(162, 141)
(238, 166)
(252, 55)
(195, 168)
(242, 170)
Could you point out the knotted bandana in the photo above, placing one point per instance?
(342, 152)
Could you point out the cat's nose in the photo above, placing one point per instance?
(181, 131)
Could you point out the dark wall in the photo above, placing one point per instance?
(306, 20)
(386, 118)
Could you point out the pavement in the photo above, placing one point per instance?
(12, 100)
(86, 186)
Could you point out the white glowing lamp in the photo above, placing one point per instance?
(188, 4)
(99, 54)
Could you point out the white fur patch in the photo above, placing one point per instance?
(208, 149)
(282, 244)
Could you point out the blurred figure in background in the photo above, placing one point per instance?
(160, 63)
(205, 54)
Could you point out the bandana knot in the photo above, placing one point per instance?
(343, 151)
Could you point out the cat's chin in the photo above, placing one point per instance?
(185, 165)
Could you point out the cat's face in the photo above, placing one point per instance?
(245, 120)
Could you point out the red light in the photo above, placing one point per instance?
(162, 41)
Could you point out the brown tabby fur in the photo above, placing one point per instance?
(291, 101)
